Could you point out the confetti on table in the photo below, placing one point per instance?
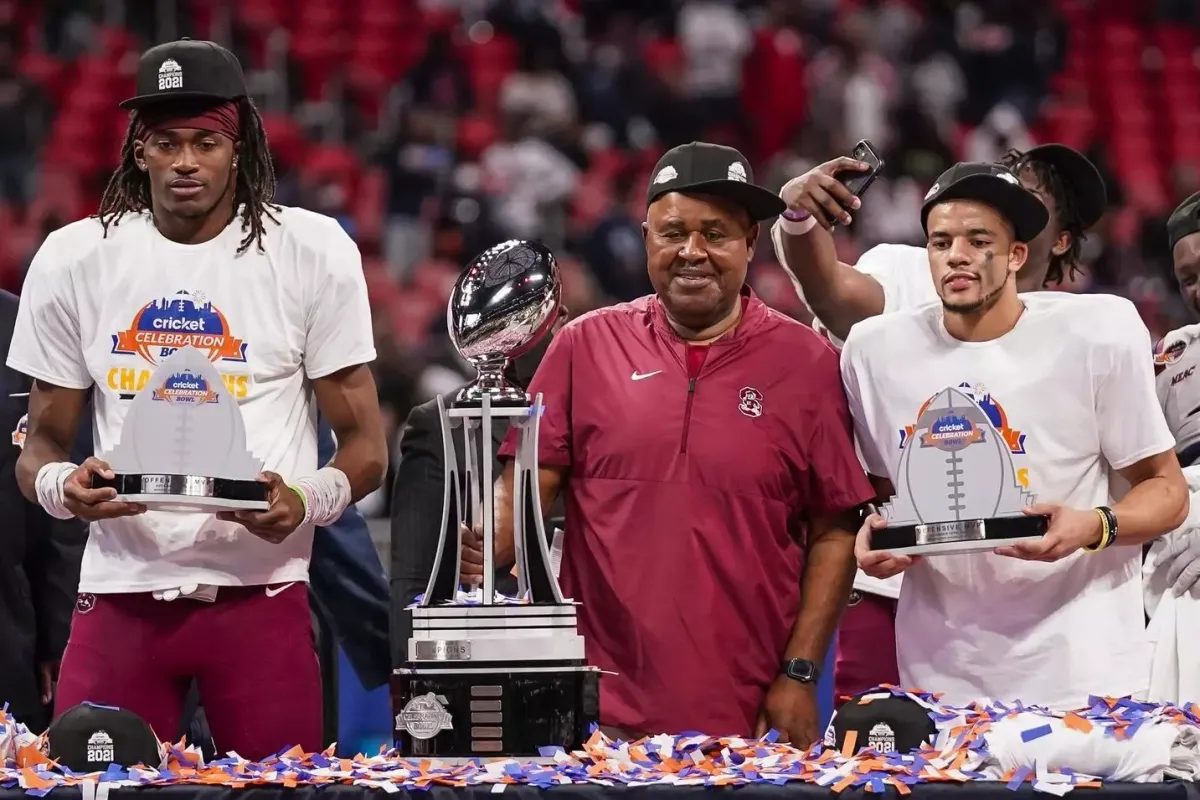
(959, 756)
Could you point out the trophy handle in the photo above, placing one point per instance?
(534, 571)
(443, 580)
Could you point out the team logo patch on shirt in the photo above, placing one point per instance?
(750, 402)
(1167, 354)
(184, 387)
(85, 603)
(18, 434)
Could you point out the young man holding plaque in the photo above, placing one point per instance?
(702, 444)
(1018, 623)
(188, 250)
(891, 277)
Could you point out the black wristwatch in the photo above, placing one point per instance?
(801, 669)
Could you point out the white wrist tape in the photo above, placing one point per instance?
(326, 495)
(49, 487)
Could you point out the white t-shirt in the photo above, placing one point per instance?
(1071, 391)
(1175, 360)
(101, 312)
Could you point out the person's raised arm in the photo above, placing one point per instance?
(838, 294)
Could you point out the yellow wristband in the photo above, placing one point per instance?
(303, 499)
(1105, 534)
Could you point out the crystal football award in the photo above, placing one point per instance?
(183, 443)
(956, 489)
(499, 677)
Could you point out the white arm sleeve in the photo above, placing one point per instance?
(338, 332)
(1128, 415)
(46, 340)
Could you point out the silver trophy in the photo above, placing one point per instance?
(505, 676)
(183, 443)
(956, 489)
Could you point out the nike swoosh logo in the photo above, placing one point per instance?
(272, 591)
(639, 376)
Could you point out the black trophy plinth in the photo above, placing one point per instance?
(495, 709)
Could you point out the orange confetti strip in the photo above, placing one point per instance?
(848, 745)
(1077, 723)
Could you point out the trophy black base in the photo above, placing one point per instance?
(186, 493)
(962, 536)
(497, 709)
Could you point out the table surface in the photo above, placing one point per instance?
(978, 790)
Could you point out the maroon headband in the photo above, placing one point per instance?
(221, 118)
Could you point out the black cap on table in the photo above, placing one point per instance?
(993, 185)
(713, 169)
(187, 69)
(883, 721)
(89, 737)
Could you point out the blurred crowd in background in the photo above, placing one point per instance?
(434, 128)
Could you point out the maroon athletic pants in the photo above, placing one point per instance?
(866, 646)
(251, 653)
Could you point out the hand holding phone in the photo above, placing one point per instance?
(857, 182)
(829, 192)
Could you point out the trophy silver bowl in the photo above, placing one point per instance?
(504, 302)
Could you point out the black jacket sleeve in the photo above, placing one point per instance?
(416, 517)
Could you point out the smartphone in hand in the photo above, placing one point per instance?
(858, 182)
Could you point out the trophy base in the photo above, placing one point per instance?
(496, 709)
(962, 536)
(186, 493)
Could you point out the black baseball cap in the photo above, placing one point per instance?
(883, 721)
(713, 169)
(994, 185)
(89, 737)
(188, 69)
(1080, 178)
(1184, 220)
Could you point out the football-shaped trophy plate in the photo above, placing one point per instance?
(956, 488)
(183, 443)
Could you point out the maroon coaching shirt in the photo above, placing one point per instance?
(692, 469)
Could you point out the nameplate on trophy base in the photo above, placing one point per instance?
(183, 443)
(956, 487)
(483, 681)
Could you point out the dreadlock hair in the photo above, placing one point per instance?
(1066, 264)
(128, 190)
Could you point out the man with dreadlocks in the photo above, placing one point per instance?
(188, 249)
(891, 278)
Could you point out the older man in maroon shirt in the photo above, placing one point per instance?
(703, 444)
